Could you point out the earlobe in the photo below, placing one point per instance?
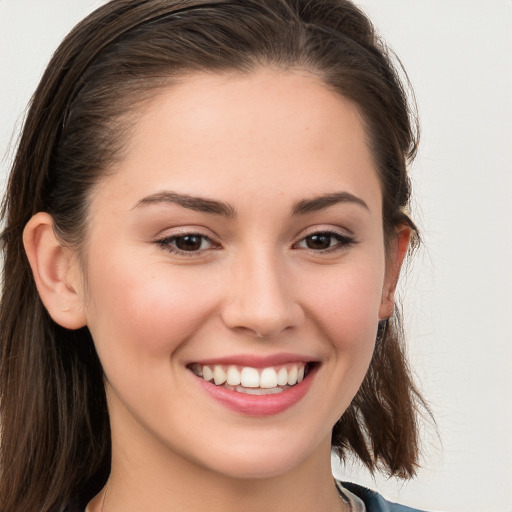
(55, 272)
(396, 255)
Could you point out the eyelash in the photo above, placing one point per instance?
(167, 243)
(342, 242)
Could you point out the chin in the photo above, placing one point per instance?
(245, 468)
(266, 459)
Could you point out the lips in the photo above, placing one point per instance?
(258, 389)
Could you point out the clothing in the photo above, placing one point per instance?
(373, 501)
(355, 503)
(360, 498)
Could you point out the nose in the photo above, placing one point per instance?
(261, 299)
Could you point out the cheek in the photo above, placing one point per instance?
(344, 305)
(142, 313)
(346, 301)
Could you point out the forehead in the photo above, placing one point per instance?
(231, 134)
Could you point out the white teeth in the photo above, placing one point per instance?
(250, 378)
(219, 375)
(268, 378)
(282, 377)
(233, 376)
(247, 379)
(207, 373)
(259, 391)
(292, 375)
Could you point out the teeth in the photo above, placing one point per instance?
(250, 378)
(207, 373)
(292, 375)
(233, 376)
(246, 379)
(268, 378)
(196, 368)
(282, 377)
(259, 391)
(219, 375)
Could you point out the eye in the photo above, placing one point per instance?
(323, 241)
(186, 243)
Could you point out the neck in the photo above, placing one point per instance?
(177, 486)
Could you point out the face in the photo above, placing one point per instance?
(240, 238)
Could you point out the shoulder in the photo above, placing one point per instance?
(373, 501)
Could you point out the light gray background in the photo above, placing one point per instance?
(458, 300)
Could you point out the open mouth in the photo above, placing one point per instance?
(253, 381)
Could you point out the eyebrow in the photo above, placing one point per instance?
(198, 204)
(321, 202)
(212, 206)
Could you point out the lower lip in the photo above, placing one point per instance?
(258, 405)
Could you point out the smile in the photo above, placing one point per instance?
(253, 381)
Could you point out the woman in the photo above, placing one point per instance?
(204, 228)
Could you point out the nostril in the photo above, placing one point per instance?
(261, 324)
(260, 302)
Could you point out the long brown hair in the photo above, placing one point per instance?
(55, 436)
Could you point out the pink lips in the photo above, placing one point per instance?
(258, 405)
(257, 361)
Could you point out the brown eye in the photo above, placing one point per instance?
(325, 241)
(188, 242)
(319, 241)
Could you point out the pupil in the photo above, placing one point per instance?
(188, 243)
(319, 241)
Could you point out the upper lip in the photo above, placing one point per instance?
(255, 361)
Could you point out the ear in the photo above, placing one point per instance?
(55, 271)
(395, 258)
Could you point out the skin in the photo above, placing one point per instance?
(260, 143)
